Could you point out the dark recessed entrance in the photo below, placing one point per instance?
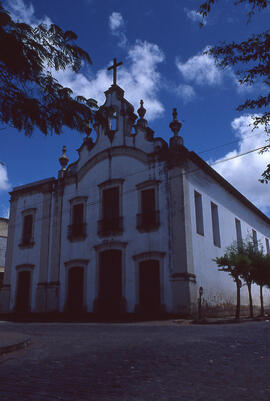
(149, 287)
(75, 290)
(110, 282)
(23, 292)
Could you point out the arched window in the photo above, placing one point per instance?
(112, 119)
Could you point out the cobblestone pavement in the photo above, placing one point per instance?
(138, 362)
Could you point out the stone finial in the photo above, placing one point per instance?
(142, 122)
(175, 125)
(141, 110)
(63, 160)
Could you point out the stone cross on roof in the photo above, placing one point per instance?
(114, 67)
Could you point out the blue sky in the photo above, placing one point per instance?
(161, 46)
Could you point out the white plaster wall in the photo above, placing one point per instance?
(133, 172)
(3, 247)
(218, 286)
(27, 255)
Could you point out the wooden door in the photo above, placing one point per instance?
(149, 286)
(23, 292)
(110, 281)
(75, 292)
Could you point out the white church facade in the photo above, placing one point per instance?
(132, 226)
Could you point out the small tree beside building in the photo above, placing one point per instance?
(246, 261)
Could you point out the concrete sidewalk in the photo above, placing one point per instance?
(12, 341)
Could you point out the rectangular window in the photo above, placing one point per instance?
(267, 246)
(215, 224)
(254, 237)
(77, 229)
(110, 204)
(77, 217)
(77, 226)
(27, 229)
(239, 238)
(148, 219)
(148, 206)
(198, 212)
(111, 220)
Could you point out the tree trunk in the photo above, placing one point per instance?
(250, 300)
(261, 298)
(237, 311)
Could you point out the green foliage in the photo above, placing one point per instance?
(261, 274)
(206, 7)
(247, 261)
(229, 262)
(29, 96)
(253, 58)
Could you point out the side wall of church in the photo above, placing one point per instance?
(219, 288)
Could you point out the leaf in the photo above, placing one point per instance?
(29, 96)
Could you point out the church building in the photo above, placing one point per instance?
(132, 226)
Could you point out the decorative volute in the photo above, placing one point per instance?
(175, 127)
(63, 159)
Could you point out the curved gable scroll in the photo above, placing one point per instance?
(116, 151)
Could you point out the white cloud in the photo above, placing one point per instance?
(201, 69)
(244, 171)
(21, 12)
(194, 16)
(115, 21)
(139, 78)
(186, 92)
(116, 25)
(4, 211)
(4, 183)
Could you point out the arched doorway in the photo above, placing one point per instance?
(23, 292)
(75, 293)
(149, 287)
(110, 282)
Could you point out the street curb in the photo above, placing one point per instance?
(229, 321)
(16, 346)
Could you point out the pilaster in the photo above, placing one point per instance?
(182, 267)
(5, 291)
(41, 293)
(54, 277)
